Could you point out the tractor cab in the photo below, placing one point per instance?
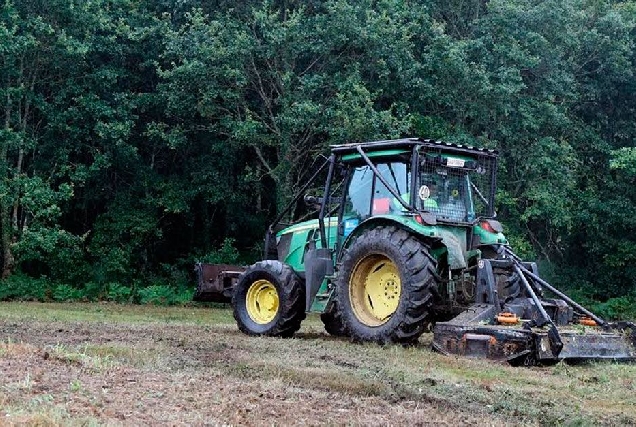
(451, 183)
(429, 187)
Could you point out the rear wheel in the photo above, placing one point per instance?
(385, 286)
(269, 300)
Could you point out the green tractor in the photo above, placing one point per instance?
(404, 242)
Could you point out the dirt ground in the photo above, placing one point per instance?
(185, 367)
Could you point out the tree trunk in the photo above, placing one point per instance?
(8, 260)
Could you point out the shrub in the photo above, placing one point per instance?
(620, 308)
(93, 291)
(22, 287)
(67, 293)
(118, 293)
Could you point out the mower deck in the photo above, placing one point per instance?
(474, 333)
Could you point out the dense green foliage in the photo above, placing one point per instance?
(139, 135)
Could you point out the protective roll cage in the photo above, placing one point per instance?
(417, 147)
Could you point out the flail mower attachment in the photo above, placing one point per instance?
(527, 328)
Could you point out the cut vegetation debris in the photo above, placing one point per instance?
(78, 364)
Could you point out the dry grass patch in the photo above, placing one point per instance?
(11, 349)
(106, 356)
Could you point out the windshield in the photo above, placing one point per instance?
(452, 191)
(446, 193)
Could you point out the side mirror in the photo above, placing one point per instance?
(312, 201)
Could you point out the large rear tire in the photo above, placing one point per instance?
(385, 286)
(269, 300)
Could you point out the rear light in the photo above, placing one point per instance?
(486, 226)
(425, 218)
(491, 226)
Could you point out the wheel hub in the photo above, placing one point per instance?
(262, 302)
(374, 289)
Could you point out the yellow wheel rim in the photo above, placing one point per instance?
(262, 301)
(374, 289)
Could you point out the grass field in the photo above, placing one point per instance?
(96, 364)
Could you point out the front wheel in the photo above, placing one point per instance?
(385, 286)
(269, 300)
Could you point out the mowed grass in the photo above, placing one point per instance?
(200, 349)
(108, 312)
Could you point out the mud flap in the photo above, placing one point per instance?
(456, 249)
(318, 265)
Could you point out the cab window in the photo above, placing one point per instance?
(367, 195)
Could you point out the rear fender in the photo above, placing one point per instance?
(426, 233)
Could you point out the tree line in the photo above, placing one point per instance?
(141, 135)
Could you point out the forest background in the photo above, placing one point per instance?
(140, 136)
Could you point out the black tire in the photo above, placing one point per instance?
(332, 318)
(386, 272)
(273, 283)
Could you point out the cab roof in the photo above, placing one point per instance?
(408, 144)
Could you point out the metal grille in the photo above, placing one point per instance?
(455, 188)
